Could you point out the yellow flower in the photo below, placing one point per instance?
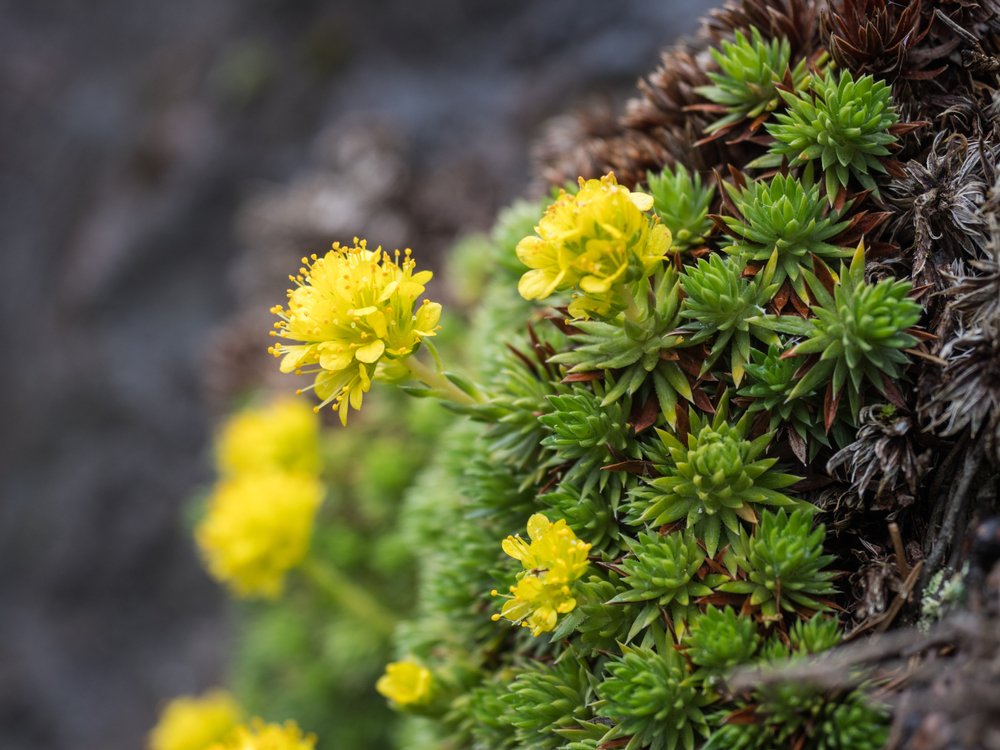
(554, 548)
(283, 435)
(593, 242)
(406, 683)
(261, 736)
(552, 561)
(350, 310)
(257, 528)
(195, 723)
(536, 603)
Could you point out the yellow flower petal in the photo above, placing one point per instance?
(378, 323)
(516, 548)
(370, 353)
(295, 357)
(538, 524)
(428, 315)
(356, 396)
(334, 356)
(642, 201)
(531, 251)
(538, 284)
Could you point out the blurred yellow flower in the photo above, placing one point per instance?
(594, 242)
(195, 723)
(282, 436)
(261, 736)
(257, 528)
(351, 309)
(554, 559)
(406, 683)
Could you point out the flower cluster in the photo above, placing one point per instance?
(406, 683)
(551, 562)
(259, 735)
(258, 528)
(352, 309)
(259, 517)
(189, 723)
(281, 435)
(592, 241)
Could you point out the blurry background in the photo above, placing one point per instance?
(159, 166)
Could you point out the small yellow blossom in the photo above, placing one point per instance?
(554, 548)
(257, 528)
(406, 683)
(261, 736)
(593, 242)
(195, 723)
(282, 435)
(352, 309)
(554, 559)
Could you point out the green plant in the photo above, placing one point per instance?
(638, 421)
(712, 480)
(682, 203)
(485, 710)
(663, 571)
(721, 639)
(842, 122)
(859, 332)
(770, 378)
(854, 724)
(545, 699)
(786, 565)
(784, 216)
(520, 394)
(589, 513)
(814, 636)
(632, 346)
(653, 700)
(598, 627)
(582, 431)
(749, 70)
(721, 303)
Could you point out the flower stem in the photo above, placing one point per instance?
(348, 595)
(438, 382)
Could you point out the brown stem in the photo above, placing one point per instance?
(956, 503)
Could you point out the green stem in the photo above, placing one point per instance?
(349, 596)
(437, 381)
